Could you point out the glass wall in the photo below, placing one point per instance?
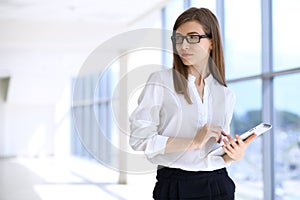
(242, 27)
(171, 12)
(248, 173)
(242, 38)
(286, 95)
(94, 133)
(169, 15)
(286, 33)
(210, 4)
(287, 136)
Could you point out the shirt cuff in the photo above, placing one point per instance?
(156, 146)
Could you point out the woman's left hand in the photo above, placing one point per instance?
(235, 150)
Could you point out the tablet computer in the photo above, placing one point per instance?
(258, 130)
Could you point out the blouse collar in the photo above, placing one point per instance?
(209, 79)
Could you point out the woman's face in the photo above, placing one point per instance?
(193, 54)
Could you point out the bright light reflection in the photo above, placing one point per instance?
(74, 192)
(37, 141)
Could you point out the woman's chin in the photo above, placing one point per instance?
(187, 62)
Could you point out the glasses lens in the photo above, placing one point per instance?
(178, 39)
(193, 39)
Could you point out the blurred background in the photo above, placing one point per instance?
(45, 153)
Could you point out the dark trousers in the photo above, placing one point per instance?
(202, 185)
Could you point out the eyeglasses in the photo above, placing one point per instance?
(191, 39)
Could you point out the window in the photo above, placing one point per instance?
(247, 173)
(242, 38)
(170, 13)
(93, 129)
(287, 136)
(210, 4)
(286, 34)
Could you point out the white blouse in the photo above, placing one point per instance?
(162, 113)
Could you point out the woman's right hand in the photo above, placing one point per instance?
(205, 133)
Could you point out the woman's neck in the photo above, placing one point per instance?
(199, 73)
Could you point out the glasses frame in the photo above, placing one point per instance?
(187, 37)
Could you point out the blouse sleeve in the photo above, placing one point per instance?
(145, 119)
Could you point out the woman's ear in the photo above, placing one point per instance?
(211, 46)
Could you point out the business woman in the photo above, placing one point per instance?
(185, 112)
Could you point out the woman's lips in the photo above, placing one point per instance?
(186, 55)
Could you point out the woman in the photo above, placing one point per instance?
(185, 112)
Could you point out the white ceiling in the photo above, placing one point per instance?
(108, 11)
(43, 42)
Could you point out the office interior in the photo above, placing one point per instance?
(66, 94)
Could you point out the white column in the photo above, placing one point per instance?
(123, 121)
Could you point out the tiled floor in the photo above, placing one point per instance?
(63, 179)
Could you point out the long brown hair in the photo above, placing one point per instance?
(210, 26)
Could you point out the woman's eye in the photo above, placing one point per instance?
(193, 37)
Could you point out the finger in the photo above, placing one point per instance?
(218, 131)
(216, 135)
(239, 139)
(226, 150)
(250, 138)
(219, 140)
(228, 145)
(223, 133)
(232, 142)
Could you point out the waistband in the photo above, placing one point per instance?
(167, 172)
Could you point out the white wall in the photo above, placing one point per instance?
(3, 136)
(27, 130)
(41, 58)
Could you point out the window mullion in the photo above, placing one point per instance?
(267, 101)
(220, 11)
